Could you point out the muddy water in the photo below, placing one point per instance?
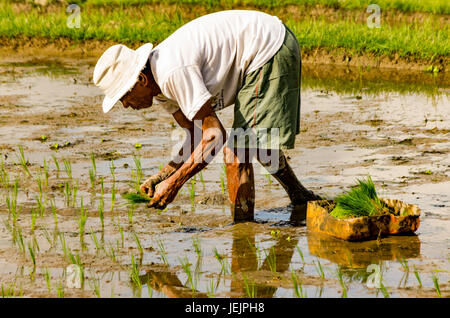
(354, 123)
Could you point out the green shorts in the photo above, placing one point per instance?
(268, 103)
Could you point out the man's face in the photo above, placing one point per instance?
(140, 96)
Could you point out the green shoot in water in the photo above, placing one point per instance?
(222, 261)
(83, 218)
(298, 286)
(435, 279)
(301, 254)
(162, 252)
(139, 246)
(68, 168)
(249, 287)
(319, 269)
(47, 280)
(192, 279)
(55, 160)
(271, 260)
(23, 161)
(101, 214)
(361, 200)
(134, 273)
(416, 273)
(192, 191)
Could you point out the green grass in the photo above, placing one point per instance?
(136, 198)
(433, 6)
(361, 200)
(427, 39)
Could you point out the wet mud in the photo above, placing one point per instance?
(353, 123)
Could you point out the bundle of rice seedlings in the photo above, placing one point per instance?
(136, 198)
(361, 200)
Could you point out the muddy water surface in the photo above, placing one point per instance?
(353, 124)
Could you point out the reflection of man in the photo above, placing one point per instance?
(246, 58)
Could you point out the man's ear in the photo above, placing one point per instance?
(143, 79)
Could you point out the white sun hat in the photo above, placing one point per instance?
(117, 71)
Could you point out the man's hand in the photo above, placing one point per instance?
(149, 185)
(165, 193)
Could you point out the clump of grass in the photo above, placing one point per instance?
(192, 279)
(68, 168)
(162, 252)
(416, 273)
(361, 200)
(319, 269)
(136, 198)
(223, 262)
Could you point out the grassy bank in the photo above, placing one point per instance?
(152, 21)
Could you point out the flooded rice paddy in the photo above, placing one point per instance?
(57, 208)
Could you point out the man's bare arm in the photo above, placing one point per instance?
(213, 137)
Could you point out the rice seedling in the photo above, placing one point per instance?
(19, 239)
(301, 255)
(113, 197)
(111, 252)
(62, 240)
(134, 273)
(55, 160)
(416, 273)
(95, 240)
(102, 187)
(101, 212)
(435, 279)
(9, 290)
(45, 173)
(82, 219)
(271, 260)
(130, 214)
(92, 178)
(74, 194)
(54, 212)
(112, 168)
(40, 205)
(341, 281)
(60, 290)
(33, 258)
(94, 166)
(192, 279)
(139, 246)
(23, 161)
(222, 261)
(256, 250)
(162, 252)
(67, 167)
(319, 269)
(211, 288)
(95, 285)
(47, 237)
(47, 280)
(11, 202)
(120, 231)
(298, 285)
(361, 200)
(384, 291)
(249, 287)
(67, 193)
(137, 174)
(33, 216)
(136, 198)
(4, 176)
(404, 264)
(197, 247)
